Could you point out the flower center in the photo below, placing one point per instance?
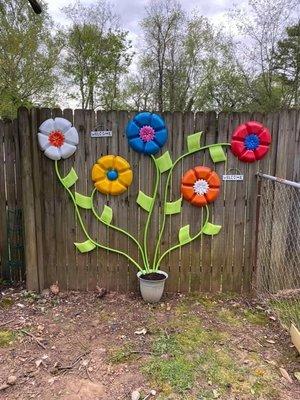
(56, 138)
(201, 187)
(147, 133)
(252, 141)
(112, 174)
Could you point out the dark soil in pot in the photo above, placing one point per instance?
(153, 276)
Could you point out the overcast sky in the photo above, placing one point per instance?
(132, 11)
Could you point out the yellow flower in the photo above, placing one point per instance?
(112, 175)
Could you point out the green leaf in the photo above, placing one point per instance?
(217, 154)
(107, 215)
(211, 229)
(70, 179)
(83, 201)
(173, 207)
(193, 142)
(164, 162)
(184, 234)
(144, 201)
(86, 246)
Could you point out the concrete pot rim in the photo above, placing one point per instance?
(140, 273)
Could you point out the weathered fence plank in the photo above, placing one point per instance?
(31, 257)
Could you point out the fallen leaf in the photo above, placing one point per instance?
(54, 289)
(270, 341)
(297, 375)
(38, 362)
(142, 331)
(11, 380)
(135, 395)
(286, 375)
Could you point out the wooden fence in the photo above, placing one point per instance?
(224, 262)
(12, 266)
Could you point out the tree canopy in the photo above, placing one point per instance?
(184, 61)
(29, 51)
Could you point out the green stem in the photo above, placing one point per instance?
(120, 230)
(83, 227)
(156, 265)
(151, 209)
(179, 244)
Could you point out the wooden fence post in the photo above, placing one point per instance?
(29, 217)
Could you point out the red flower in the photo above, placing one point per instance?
(250, 141)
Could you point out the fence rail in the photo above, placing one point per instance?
(221, 263)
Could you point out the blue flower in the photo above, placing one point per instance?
(146, 133)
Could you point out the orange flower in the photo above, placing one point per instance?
(200, 185)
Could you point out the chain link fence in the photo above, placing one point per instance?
(278, 248)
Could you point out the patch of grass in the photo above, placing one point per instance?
(255, 317)
(221, 369)
(177, 372)
(288, 311)
(184, 361)
(230, 317)
(174, 367)
(6, 337)
(6, 302)
(207, 302)
(120, 355)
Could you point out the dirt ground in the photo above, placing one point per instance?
(82, 346)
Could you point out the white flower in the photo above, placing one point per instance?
(57, 138)
(201, 187)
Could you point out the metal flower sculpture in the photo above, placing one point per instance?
(250, 141)
(112, 175)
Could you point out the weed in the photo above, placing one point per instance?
(178, 372)
(6, 337)
(6, 302)
(255, 317)
(121, 355)
(229, 317)
(288, 311)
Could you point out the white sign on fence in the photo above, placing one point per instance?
(99, 134)
(233, 177)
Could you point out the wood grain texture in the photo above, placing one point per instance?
(31, 258)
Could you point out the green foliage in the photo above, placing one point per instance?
(6, 337)
(121, 355)
(29, 50)
(228, 316)
(97, 55)
(288, 61)
(6, 302)
(187, 63)
(255, 317)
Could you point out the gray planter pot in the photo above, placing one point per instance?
(152, 291)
